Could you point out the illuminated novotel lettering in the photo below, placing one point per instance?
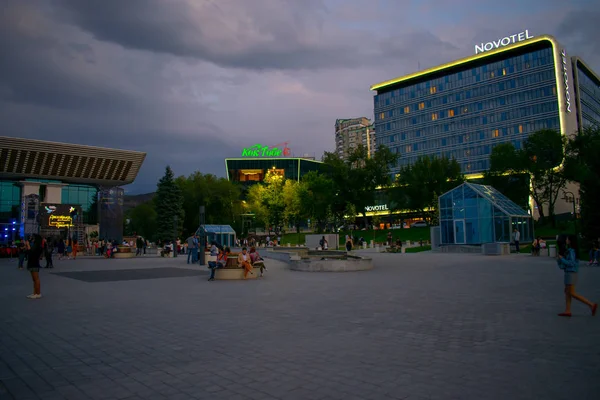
(60, 221)
(258, 150)
(563, 53)
(505, 41)
(381, 207)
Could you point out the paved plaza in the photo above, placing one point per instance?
(418, 326)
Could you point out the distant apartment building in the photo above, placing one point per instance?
(349, 133)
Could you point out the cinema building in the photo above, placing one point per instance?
(258, 160)
(507, 90)
(61, 189)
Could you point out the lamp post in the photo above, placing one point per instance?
(572, 198)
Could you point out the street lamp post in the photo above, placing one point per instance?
(572, 198)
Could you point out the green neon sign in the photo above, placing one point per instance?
(259, 150)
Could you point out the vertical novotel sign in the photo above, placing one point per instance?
(505, 41)
(565, 75)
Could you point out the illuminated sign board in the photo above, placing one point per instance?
(380, 207)
(59, 215)
(505, 41)
(565, 75)
(259, 150)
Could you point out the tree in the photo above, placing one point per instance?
(294, 207)
(358, 177)
(541, 158)
(583, 166)
(220, 197)
(267, 202)
(507, 174)
(420, 184)
(543, 154)
(169, 207)
(317, 197)
(142, 220)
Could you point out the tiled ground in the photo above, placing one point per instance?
(417, 326)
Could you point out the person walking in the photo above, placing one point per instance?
(48, 250)
(568, 261)
(348, 243)
(139, 244)
(34, 253)
(22, 251)
(516, 238)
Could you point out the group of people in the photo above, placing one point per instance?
(246, 260)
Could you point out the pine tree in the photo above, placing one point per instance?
(169, 207)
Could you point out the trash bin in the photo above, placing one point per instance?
(552, 250)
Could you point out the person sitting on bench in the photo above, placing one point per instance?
(220, 263)
(256, 260)
(244, 262)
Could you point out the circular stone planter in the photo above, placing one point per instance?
(321, 263)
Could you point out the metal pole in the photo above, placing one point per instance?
(202, 238)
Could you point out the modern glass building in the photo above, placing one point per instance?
(251, 170)
(477, 214)
(35, 172)
(462, 109)
(587, 84)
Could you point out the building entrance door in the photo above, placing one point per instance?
(459, 231)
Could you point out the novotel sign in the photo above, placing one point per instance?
(505, 41)
(565, 75)
(380, 207)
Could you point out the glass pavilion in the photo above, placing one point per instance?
(476, 214)
(223, 234)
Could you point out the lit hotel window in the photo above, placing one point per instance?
(451, 113)
(406, 110)
(421, 106)
(520, 128)
(492, 74)
(503, 71)
(382, 116)
(408, 149)
(468, 167)
(434, 116)
(465, 110)
(433, 90)
(496, 132)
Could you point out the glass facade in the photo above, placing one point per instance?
(254, 170)
(589, 98)
(463, 112)
(477, 214)
(10, 201)
(85, 196)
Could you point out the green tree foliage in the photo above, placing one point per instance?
(169, 207)
(583, 166)
(541, 158)
(317, 198)
(294, 195)
(357, 177)
(266, 201)
(142, 220)
(418, 185)
(220, 197)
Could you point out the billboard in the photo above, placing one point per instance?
(110, 201)
(59, 216)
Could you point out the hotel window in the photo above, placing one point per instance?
(434, 116)
(408, 148)
(465, 110)
(421, 106)
(382, 116)
(433, 90)
(520, 128)
(406, 110)
(503, 71)
(451, 113)
(554, 90)
(492, 74)
(495, 133)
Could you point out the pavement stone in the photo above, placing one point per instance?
(418, 326)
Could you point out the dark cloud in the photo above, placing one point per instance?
(191, 82)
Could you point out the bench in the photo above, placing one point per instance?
(232, 271)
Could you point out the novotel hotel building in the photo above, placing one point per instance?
(510, 88)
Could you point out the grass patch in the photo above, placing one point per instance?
(417, 249)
